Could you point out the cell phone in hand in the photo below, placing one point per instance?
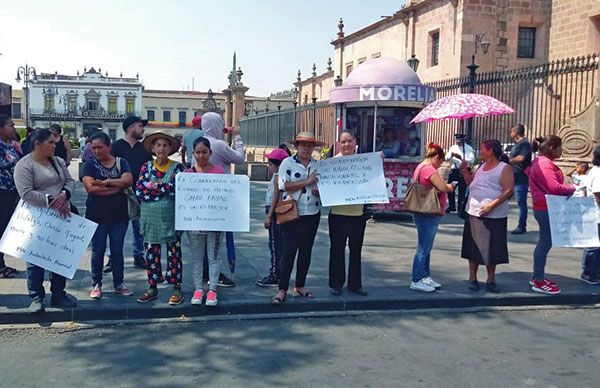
(455, 183)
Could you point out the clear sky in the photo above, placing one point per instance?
(169, 42)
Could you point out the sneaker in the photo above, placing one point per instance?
(176, 298)
(139, 262)
(108, 267)
(268, 281)
(63, 302)
(224, 281)
(518, 230)
(544, 287)
(149, 295)
(211, 298)
(121, 289)
(589, 279)
(421, 286)
(547, 281)
(36, 306)
(96, 292)
(197, 298)
(430, 282)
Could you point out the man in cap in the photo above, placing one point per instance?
(187, 143)
(131, 149)
(456, 153)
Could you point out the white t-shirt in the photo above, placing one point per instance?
(593, 186)
(580, 183)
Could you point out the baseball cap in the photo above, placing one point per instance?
(132, 120)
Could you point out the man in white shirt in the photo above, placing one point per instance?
(591, 257)
(456, 153)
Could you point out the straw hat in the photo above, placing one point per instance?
(150, 139)
(306, 137)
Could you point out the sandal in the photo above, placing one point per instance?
(304, 294)
(277, 299)
(8, 273)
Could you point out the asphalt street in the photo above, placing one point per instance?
(535, 348)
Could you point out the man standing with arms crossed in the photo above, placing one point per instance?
(520, 159)
(456, 153)
(131, 149)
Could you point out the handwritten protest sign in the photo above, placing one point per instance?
(348, 180)
(212, 202)
(40, 236)
(573, 221)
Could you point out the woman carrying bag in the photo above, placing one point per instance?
(426, 174)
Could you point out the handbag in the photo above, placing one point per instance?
(286, 211)
(422, 199)
(133, 206)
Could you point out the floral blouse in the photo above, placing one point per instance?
(150, 186)
(8, 160)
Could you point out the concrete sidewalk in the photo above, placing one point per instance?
(387, 259)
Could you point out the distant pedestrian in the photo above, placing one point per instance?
(591, 258)
(63, 146)
(187, 144)
(346, 223)
(8, 191)
(484, 232)
(43, 180)
(155, 189)
(427, 224)
(87, 152)
(545, 177)
(224, 155)
(205, 245)
(298, 178)
(131, 149)
(520, 159)
(275, 157)
(458, 152)
(104, 178)
(82, 142)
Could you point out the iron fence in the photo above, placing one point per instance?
(544, 98)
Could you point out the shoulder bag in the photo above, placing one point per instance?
(133, 206)
(422, 199)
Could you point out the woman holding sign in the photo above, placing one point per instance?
(155, 189)
(545, 177)
(106, 205)
(9, 156)
(346, 223)
(43, 180)
(299, 184)
(201, 242)
(484, 232)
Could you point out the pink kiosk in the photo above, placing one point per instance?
(377, 102)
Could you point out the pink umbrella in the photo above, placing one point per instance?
(462, 106)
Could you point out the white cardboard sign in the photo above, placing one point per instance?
(41, 237)
(573, 221)
(212, 202)
(349, 180)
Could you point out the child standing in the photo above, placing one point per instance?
(579, 179)
(275, 158)
(201, 242)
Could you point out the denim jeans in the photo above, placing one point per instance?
(544, 243)
(138, 239)
(35, 283)
(116, 236)
(9, 200)
(521, 190)
(591, 260)
(427, 226)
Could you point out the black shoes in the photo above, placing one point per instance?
(268, 281)
(224, 281)
(473, 285)
(336, 291)
(519, 230)
(108, 267)
(139, 262)
(63, 302)
(492, 287)
(360, 291)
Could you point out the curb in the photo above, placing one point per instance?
(82, 314)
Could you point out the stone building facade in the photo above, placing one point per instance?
(575, 28)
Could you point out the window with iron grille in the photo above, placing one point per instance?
(526, 42)
(16, 110)
(167, 116)
(150, 115)
(182, 118)
(435, 48)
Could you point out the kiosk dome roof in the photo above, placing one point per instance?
(382, 71)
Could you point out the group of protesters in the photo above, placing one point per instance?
(133, 180)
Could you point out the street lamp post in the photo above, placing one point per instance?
(27, 72)
(472, 77)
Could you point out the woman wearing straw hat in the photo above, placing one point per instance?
(155, 189)
(298, 180)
